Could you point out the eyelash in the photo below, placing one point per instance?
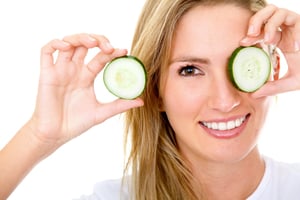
(190, 70)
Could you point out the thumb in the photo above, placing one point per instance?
(105, 111)
(272, 88)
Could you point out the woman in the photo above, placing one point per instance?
(184, 145)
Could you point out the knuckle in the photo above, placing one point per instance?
(50, 46)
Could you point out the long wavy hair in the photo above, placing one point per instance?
(158, 171)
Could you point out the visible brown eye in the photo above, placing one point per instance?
(190, 71)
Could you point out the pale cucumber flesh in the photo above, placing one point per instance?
(125, 77)
(249, 68)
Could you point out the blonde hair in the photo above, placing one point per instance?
(158, 170)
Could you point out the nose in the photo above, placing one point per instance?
(224, 97)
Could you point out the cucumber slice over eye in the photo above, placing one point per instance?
(125, 77)
(249, 68)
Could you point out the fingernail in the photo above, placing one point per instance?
(140, 102)
(245, 40)
(251, 30)
(91, 38)
(297, 46)
(108, 45)
(267, 37)
(65, 43)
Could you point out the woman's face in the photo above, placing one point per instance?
(212, 120)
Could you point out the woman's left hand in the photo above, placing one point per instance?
(280, 27)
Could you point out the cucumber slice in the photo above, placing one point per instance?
(249, 68)
(125, 77)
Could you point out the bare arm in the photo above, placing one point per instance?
(18, 157)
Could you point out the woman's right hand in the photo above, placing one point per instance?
(279, 27)
(66, 103)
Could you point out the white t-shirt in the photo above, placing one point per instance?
(281, 181)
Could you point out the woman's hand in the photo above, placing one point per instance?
(279, 27)
(66, 102)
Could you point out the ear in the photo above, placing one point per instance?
(276, 67)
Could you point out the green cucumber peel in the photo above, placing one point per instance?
(125, 77)
(249, 68)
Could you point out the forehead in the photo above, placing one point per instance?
(212, 26)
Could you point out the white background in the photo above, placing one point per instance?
(98, 154)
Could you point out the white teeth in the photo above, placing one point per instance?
(231, 125)
(223, 126)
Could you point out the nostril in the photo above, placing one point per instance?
(224, 98)
(226, 105)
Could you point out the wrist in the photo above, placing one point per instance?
(39, 140)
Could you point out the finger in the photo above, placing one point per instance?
(83, 42)
(101, 59)
(258, 20)
(79, 55)
(48, 50)
(116, 107)
(82, 39)
(104, 43)
(90, 41)
(249, 41)
(80, 44)
(272, 88)
(260, 39)
(65, 56)
(272, 26)
(296, 34)
(285, 21)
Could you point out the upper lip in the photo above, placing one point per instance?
(225, 125)
(228, 119)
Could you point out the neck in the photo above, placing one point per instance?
(236, 180)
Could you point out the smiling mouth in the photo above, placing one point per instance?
(225, 126)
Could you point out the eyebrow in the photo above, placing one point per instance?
(191, 59)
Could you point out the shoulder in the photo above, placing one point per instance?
(280, 181)
(115, 189)
(288, 173)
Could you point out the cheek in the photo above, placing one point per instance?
(182, 103)
(260, 109)
(264, 107)
(262, 104)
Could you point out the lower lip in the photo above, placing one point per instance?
(228, 134)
